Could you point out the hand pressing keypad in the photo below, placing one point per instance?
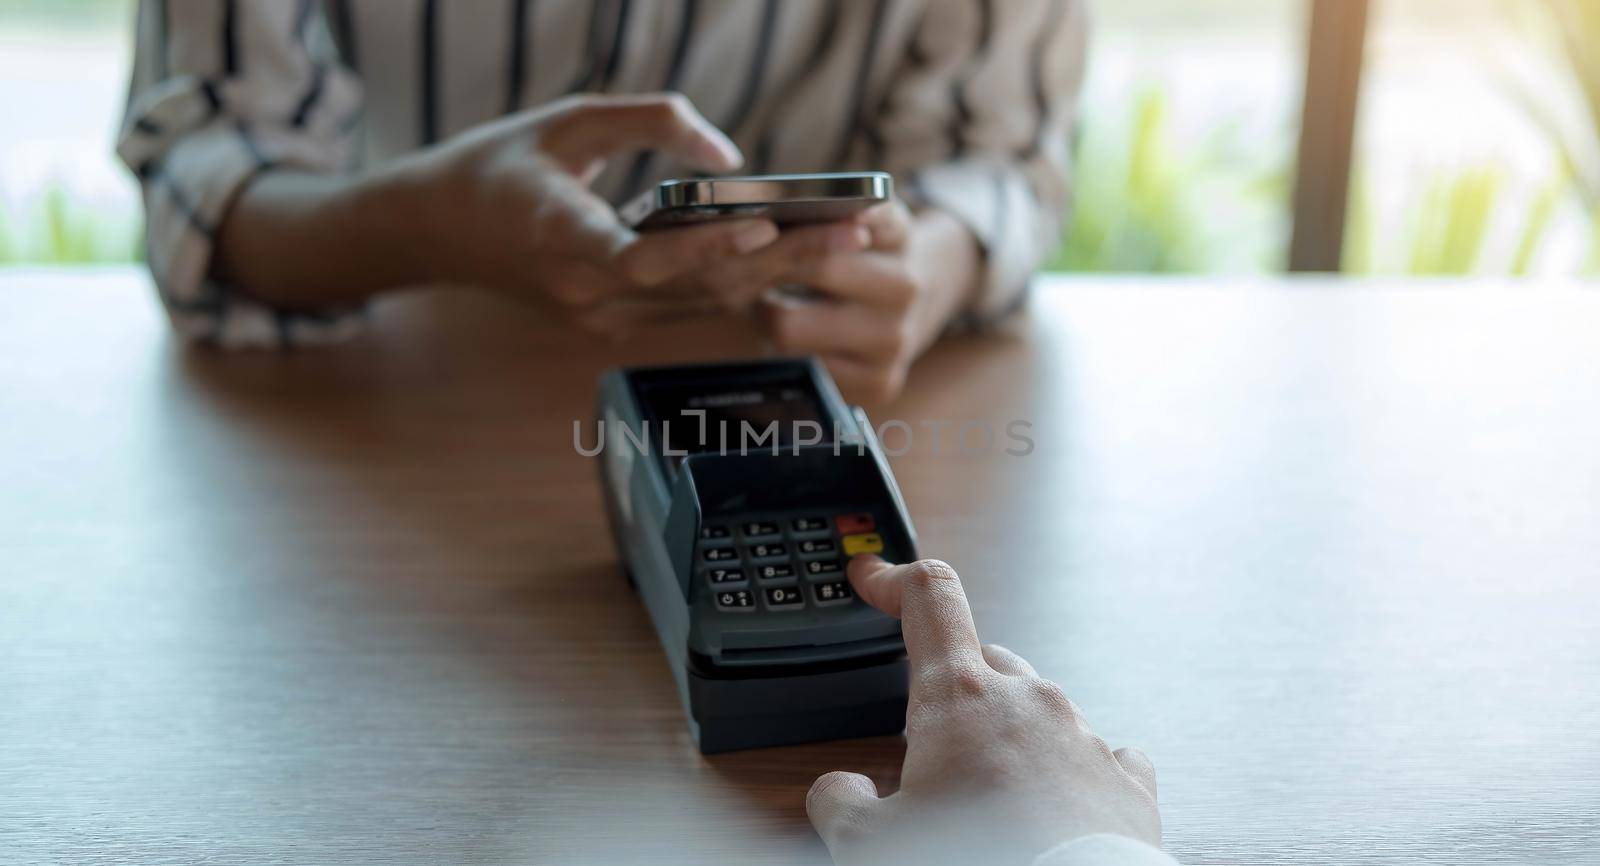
(791, 562)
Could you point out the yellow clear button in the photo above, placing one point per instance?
(866, 542)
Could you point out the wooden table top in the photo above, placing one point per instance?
(1331, 555)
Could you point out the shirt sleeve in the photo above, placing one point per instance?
(977, 121)
(1104, 849)
(222, 90)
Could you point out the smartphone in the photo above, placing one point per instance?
(786, 199)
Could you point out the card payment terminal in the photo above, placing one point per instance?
(737, 493)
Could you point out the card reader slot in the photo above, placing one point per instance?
(794, 661)
(839, 633)
(803, 655)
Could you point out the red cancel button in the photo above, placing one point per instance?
(850, 524)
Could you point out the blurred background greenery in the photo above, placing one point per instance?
(1478, 143)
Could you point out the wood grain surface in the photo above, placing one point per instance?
(1330, 554)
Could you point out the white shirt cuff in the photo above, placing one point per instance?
(1104, 849)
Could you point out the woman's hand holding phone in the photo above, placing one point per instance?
(505, 206)
(882, 283)
(510, 209)
(513, 211)
(875, 310)
(533, 229)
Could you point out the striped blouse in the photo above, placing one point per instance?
(968, 103)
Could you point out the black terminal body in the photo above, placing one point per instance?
(736, 494)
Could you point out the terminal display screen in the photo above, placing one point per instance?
(696, 414)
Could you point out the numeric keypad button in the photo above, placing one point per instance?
(775, 571)
(815, 545)
(720, 576)
(757, 528)
(713, 532)
(824, 566)
(809, 524)
(832, 592)
(735, 600)
(767, 551)
(784, 597)
(719, 554)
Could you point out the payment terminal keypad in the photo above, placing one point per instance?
(787, 563)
